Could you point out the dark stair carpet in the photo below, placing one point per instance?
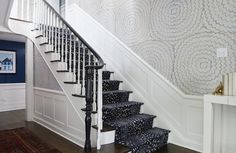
(133, 130)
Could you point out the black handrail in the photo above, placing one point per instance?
(100, 60)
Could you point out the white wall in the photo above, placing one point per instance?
(12, 96)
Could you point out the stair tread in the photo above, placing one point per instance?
(122, 104)
(76, 95)
(108, 71)
(55, 61)
(129, 120)
(112, 81)
(147, 136)
(71, 82)
(116, 91)
(105, 128)
(62, 70)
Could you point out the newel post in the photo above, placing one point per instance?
(88, 110)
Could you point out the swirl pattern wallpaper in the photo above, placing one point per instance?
(178, 38)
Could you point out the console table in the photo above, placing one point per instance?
(209, 101)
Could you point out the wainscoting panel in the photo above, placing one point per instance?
(53, 110)
(12, 96)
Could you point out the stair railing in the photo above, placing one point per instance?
(81, 60)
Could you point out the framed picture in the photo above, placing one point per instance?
(7, 61)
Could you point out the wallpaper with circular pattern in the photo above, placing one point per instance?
(178, 38)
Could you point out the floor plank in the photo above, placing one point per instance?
(16, 119)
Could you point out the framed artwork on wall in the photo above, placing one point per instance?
(7, 61)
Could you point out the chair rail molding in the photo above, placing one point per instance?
(181, 113)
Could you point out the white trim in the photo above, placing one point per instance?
(50, 90)
(29, 78)
(12, 84)
(12, 108)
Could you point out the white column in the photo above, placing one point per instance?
(29, 73)
(208, 127)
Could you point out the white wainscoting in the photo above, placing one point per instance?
(182, 114)
(53, 111)
(12, 96)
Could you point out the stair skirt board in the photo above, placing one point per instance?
(131, 128)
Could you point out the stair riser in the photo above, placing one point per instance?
(151, 146)
(133, 129)
(55, 56)
(43, 40)
(112, 98)
(110, 86)
(69, 77)
(47, 48)
(121, 112)
(62, 66)
(106, 75)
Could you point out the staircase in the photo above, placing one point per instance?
(133, 130)
(79, 68)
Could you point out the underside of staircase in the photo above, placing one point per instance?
(132, 129)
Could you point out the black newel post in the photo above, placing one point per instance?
(88, 111)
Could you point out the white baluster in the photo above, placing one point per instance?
(22, 10)
(53, 32)
(41, 15)
(78, 72)
(28, 10)
(94, 88)
(83, 74)
(46, 22)
(50, 27)
(62, 43)
(99, 111)
(74, 49)
(66, 46)
(34, 15)
(38, 16)
(56, 33)
(70, 56)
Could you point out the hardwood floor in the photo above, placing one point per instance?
(16, 119)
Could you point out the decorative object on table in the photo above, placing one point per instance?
(229, 83)
(219, 89)
(7, 61)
